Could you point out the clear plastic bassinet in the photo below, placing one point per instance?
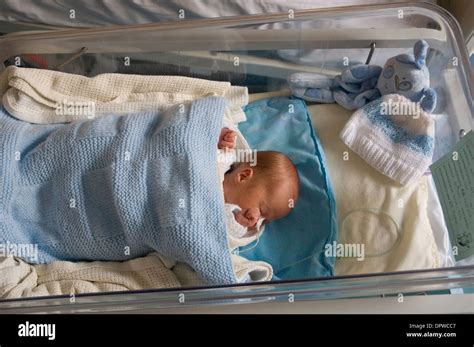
(260, 51)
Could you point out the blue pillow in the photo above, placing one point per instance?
(294, 245)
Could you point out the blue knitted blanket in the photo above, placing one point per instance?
(118, 187)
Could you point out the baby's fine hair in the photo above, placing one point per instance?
(274, 169)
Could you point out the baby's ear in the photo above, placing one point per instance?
(245, 174)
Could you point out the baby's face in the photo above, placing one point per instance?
(255, 200)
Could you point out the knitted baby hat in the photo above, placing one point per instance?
(393, 135)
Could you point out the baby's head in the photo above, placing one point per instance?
(267, 190)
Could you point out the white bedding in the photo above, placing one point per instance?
(388, 219)
(19, 279)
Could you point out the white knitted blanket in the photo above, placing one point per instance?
(45, 96)
(20, 279)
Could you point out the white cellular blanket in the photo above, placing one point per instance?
(20, 279)
(36, 96)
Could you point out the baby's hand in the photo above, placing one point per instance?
(227, 139)
(247, 217)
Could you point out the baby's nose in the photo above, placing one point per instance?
(252, 214)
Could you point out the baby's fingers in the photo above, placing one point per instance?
(226, 144)
(230, 137)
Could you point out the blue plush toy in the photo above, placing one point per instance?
(408, 75)
(404, 74)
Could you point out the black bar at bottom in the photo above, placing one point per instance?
(59, 330)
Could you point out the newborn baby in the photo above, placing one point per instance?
(256, 194)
